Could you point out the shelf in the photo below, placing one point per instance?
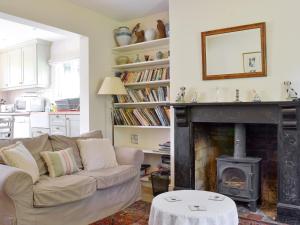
(142, 127)
(149, 151)
(153, 83)
(141, 104)
(142, 45)
(143, 64)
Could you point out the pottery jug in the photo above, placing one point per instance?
(167, 27)
(122, 36)
(150, 34)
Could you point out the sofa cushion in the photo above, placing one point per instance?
(60, 142)
(60, 163)
(35, 146)
(109, 177)
(92, 134)
(97, 153)
(17, 155)
(49, 191)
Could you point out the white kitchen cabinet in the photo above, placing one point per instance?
(58, 130)
(15, 65)
(37, 131)
(65, 124)
(29, 65)
(4, 70)
(22, 127)
(73, 125)
(39, 122)
(25, 66)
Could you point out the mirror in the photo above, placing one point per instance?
(236, 52)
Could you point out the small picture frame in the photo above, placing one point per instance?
(252, 62)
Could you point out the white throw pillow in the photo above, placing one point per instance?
(17, 155)
(97, 153)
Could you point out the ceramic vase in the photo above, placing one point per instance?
(150, 34)
(123, 36)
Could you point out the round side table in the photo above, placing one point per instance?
(191, 207)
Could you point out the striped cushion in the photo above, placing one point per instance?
(60, 163)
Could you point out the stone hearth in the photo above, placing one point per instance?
(277, 120)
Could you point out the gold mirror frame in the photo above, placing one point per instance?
(263, 73)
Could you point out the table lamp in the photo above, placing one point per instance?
(112, 86)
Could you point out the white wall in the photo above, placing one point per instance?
(66, 49)
(79, 20)
(189, 18)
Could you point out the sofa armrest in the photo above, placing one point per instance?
(129, 156)
(17, 185)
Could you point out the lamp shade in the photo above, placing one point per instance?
(112, 86)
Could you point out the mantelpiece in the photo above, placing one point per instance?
(285, 115)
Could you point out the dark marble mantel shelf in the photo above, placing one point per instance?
(233, 103)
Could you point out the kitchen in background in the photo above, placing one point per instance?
(39, 81)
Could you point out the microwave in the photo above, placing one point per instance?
(30, 104)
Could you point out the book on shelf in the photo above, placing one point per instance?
(147, 94)
(153, 74)
(164, 147)
(141, 116)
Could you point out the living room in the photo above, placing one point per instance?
(202, 101)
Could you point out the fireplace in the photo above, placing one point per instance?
(238, 176)
(238, 173)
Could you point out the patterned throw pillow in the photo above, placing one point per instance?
(60, 163)
(17, 155)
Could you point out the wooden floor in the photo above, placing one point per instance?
(147, 193)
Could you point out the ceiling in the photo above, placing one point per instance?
(125, 9)
(12, 33)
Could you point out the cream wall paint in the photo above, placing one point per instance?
(148, 21)
(66, 49)
(96, 27)
(189, 19)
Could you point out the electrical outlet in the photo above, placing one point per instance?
(134, 139)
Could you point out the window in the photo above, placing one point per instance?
(66, 79)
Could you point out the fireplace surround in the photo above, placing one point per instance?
(285, 115)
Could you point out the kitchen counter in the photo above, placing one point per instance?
(15, 114)
(28, 113)
(65, 113)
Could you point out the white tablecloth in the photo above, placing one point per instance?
(178, 213)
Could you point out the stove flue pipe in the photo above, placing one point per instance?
(239, 140)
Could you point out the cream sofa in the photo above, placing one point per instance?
(77, 199)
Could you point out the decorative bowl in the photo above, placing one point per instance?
(122, 60)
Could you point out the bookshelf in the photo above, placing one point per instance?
(140, 104)
(142, 127)
(158, 62)
(148, 84)
(142, 46)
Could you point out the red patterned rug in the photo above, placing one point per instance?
(138, 214)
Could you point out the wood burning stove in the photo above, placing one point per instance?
(238, 176)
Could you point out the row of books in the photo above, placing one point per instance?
(144, 95)
(158, 116)
(153, 74)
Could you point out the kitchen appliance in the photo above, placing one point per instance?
(30, 103)
(7, 108)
